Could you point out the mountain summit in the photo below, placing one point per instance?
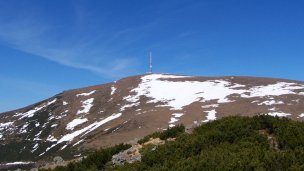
(75, 121)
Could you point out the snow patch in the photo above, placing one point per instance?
(18, 163)
(54, 125)
(41, 154)
(210, 115)
(90, 128)
(24, 128)
(271, 102)
(86, 94)
(113, 89)
(189, 91)
(106, 129)
(31, 113)
(75, 122)
(177, 115)
(170, 126)
(35, 147)
(51, 138)
(277, 89)
(5, 125)
(279, 114)
(86, 105)
(177, 94)
(60, 116)
(51, 102)
(77, 155)
(78, 142)
(210, 106)
(45, 124)
(64, 103)
(128, 106)
(173, 120)
(301, 115)
(37, 136)
(166, 76)
(51, 117)
(63, 147)
(47, 149)
(63, 114)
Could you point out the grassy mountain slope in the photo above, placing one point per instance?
(76, 121)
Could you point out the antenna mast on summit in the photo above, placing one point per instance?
(150, 61)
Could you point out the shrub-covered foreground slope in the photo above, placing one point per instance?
(232, 143)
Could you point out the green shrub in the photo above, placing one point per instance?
(169, 133)
(232, 143)
(94, 161)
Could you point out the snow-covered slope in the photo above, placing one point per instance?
(103, 115)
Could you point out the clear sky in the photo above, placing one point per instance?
(50, 46)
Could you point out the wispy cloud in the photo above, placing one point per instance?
(80, 48)
(101, 42)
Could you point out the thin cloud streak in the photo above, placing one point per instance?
(85, 51)
(83, 42)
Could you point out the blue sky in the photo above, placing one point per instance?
(50, 46)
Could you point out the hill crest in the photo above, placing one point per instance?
(103, 115)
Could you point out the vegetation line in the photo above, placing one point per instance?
(233, 143)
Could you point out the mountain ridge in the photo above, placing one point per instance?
(77, 120)
(211, 77)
